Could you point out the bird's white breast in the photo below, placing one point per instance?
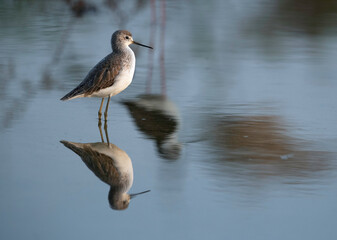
(123, 79)
(122, 161)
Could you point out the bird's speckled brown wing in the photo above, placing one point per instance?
(100, 164)
(103, 75)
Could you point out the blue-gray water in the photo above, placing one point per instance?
(243, 146)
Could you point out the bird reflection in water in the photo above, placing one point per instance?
(110, 164)
(157, 117)
(155, 114)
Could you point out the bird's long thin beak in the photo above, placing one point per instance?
(135, 194)
(141, 44)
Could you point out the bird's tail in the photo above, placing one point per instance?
(72, 94)
(75, 147)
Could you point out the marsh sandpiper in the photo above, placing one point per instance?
(112, 74)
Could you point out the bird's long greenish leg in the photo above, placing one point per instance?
(106, 109)
(100, 110)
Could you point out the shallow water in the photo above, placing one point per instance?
(230, 121)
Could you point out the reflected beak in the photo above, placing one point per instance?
(141, 44)
(135, 194)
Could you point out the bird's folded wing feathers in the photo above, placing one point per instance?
(103, 75)
(102, 165)
(104, 78)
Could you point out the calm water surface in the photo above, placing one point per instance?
(230, 122)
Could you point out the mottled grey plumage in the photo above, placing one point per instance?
(101, 76)
(112, 74)
(102, 165)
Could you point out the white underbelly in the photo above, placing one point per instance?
(116, 88)
(122, 81)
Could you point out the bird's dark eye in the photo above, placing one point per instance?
(127, 37)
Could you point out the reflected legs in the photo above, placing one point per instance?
(100, 129)
(105, 120)
(105, 130)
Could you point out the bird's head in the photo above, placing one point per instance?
(121, 200)
(123, 38)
